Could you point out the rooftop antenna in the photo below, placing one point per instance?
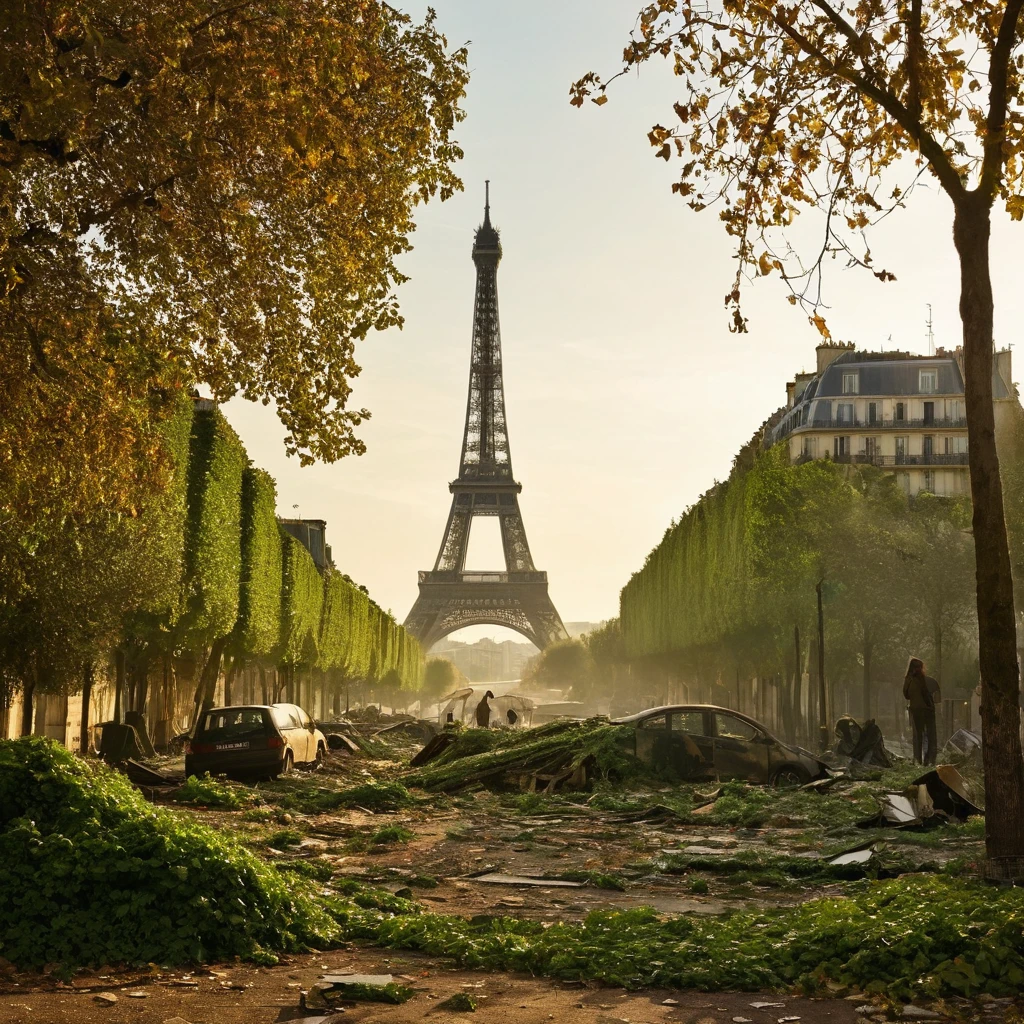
(931, 334)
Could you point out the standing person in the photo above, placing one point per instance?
(483, 711)
(922, 694)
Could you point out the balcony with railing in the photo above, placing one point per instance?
(888, 461)
(888, 423)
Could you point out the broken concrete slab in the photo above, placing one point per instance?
(860, 855)
(912, 1012)
(499, 878)
(106, 998)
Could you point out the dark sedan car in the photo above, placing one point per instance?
(255, 740)
(701, 741)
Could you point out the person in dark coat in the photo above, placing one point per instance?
(483, 711)
(922, 694)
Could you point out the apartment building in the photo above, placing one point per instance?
(897, 410)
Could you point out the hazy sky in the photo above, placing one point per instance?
(627, 396)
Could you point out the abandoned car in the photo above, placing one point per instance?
(701, 741)
(256, 740)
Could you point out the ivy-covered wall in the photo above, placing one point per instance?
(258, 632)
(302, 602)
(213, 536)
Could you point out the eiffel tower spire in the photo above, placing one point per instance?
(450, 597)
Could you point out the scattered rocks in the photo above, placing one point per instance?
(106, 998)
(912, 1012)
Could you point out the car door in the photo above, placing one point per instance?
(294, 737)
(309, 729)
(691, 749)
(652, 739)
(741, 749)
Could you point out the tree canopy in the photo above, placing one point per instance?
(200, 191)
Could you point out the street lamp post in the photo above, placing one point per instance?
(822, 708)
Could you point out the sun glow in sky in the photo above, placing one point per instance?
(626, 394)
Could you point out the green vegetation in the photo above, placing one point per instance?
(91, 873)
(722, 592)
(302, 603)
(392, 834)
(508, 755)
(461, 1002)
(89, 870)
(258, 629)
(213, 541)
(209, 792)
(912, 937)
(307, 797)
(391, 993)
(283, 838)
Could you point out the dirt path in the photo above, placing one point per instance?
(242, 994)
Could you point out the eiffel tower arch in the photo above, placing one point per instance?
(450, 597)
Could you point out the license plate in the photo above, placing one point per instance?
(232, 746)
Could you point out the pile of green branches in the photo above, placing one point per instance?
(502, 758)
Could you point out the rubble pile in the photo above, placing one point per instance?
(559, 755)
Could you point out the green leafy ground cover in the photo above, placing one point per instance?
(308, 796)
(90, 874)
(206, 791)
(911, 937)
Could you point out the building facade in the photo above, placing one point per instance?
(902, 412)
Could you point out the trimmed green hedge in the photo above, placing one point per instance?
(213, 537)
(302, 602)
(259, 606)
(360, 640)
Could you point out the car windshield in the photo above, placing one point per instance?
(233, 724)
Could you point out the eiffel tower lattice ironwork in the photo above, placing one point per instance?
(450, 597)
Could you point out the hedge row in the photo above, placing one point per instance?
(245, 579)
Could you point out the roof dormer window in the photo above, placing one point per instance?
(928, 381)
(851, 383)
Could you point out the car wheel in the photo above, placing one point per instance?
(289, 763)
(790, 776)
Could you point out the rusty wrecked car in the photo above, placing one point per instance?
(702, 741)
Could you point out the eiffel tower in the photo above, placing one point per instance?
(450, 597)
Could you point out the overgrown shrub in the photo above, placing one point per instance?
(90, 873)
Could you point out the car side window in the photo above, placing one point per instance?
(689, 722)
(304, 720)
(731, 728)
(657, 722)
(283, 718)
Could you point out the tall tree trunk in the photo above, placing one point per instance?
(229, 678)
(88, 670)
(997, 635)
(823, 730)
(207, 685)
(119, 685)
(798, 680)
(866, 653)
(27, 696)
